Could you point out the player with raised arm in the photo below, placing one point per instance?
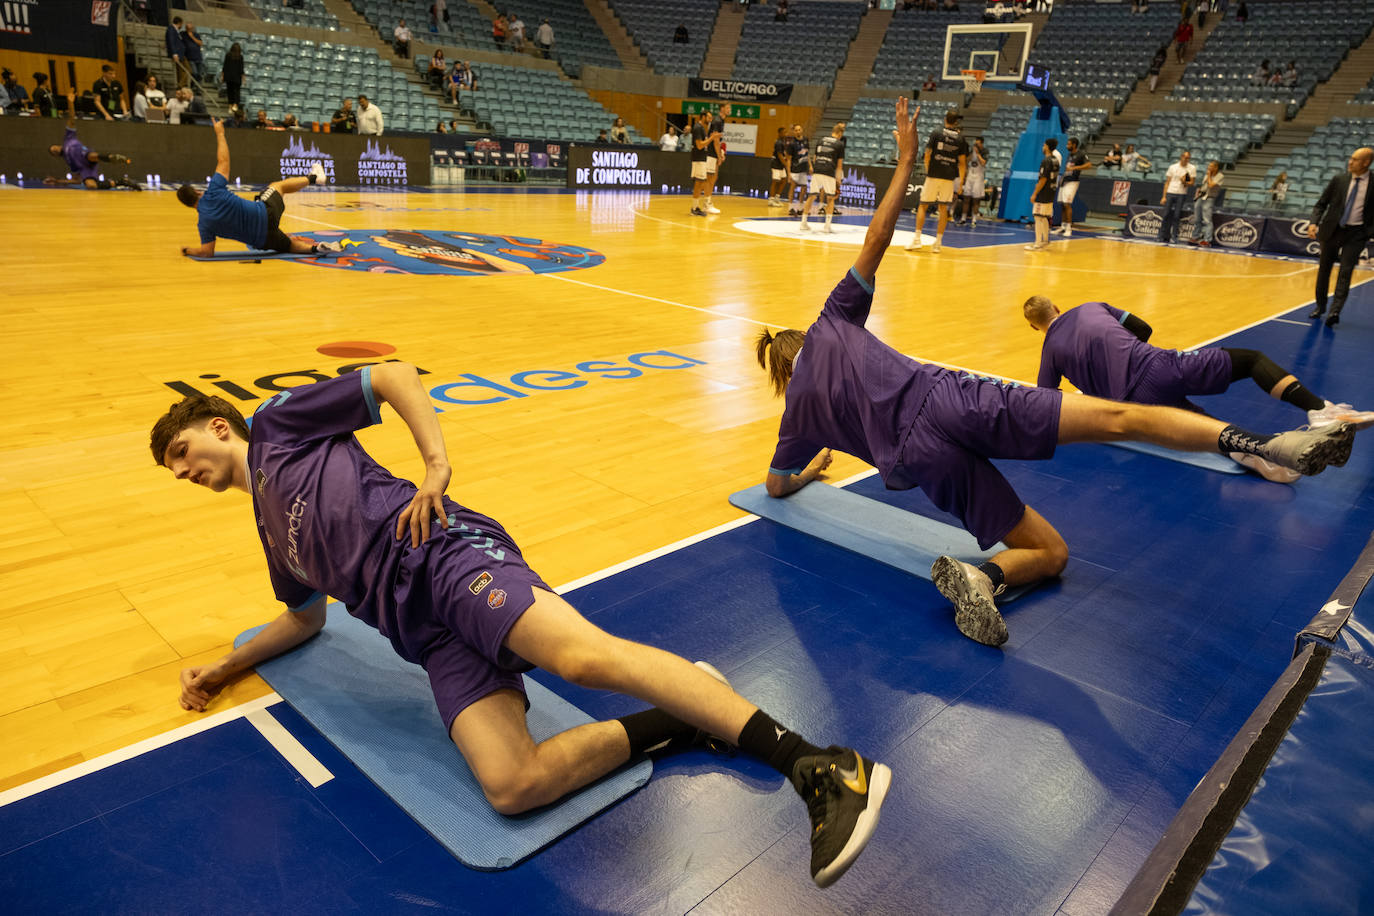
(449, 588)
(84, 161)
(925, 426)
(223, 214)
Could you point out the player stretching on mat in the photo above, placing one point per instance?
(83, 161)
(451, 591)
(1103, 351)
(923, 426)
(223, 214)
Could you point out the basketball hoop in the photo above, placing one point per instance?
(973, 80)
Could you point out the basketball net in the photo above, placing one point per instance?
(973, 80)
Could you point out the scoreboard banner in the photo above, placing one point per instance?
(79, 28)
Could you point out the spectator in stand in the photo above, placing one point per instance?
(469, 78)
(1183, 37)
(1242, 12)
(780, 15)
(618, 132)
(1278, 191)
(108, 94)
(238, 117)
(195, 57)
(438, 67)
(263, 122)
(441, 8)
(1262, 75)
(176, 50)
(500, 28)
(931, 84)
(4, 99)
(441, 129)
(290, 123)
(1290, 76)
(345, 120)
(668, 142)
(42, 97)
(453, 126)
(602, 138)
(543, 37)
(177, 104)
(434, 17)
(517, 32)
(155, 96)
(140, 101)
(680, 35)
(231, 72)
(454, 83)
(401, 39)
(1113, 158)
(369, 118)
(1156, 65)
(18, 95)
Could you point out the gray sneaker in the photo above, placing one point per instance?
(1308, 451)
(970, 590)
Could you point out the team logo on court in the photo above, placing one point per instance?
(496, 598)
(481, 582)
(463, 254)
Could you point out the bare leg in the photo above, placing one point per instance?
(1086, 419)
(290, 185)
(941, 221)
(301, 245)
(1034, 551)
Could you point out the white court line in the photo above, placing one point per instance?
(1301, 324)
(286, 744)
(85, 768)
(681, 305)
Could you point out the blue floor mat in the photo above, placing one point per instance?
(378, 710)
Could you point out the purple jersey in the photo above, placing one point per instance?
(74, 151)
(1088, 346)
(851, 391)
(327, 514)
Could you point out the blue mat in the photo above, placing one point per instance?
(893, 536)
(378, 710)
(1211, 461)
(252, 255)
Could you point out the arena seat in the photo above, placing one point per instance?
(311, 14)
(1311, 166)
(914, 47)
(651, 25)
(1103, 51)
(808, 48)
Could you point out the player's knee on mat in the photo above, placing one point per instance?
(515, 791)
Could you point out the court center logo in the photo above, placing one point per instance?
(380, 166)
(296, 159)
(435, 252)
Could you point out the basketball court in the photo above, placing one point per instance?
(595, 373)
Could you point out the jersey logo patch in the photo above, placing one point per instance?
(496, 598)
(261, 478)
(481, 582)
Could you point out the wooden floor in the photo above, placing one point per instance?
(115, 576)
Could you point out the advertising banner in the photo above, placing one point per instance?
(80, 28)
(741, 137)
(1121, 193)
(1286, 235)
(739, 90)
(727, 109)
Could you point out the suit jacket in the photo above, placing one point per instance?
(1331, 205)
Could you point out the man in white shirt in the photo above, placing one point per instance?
(177, 104)
(369, 117)
(1180, 177)
(517, 33)
(544, 37)
(402, 36)
(668, 142)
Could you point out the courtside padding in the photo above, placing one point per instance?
(378, 710)
(1280, 823)
(892, 536)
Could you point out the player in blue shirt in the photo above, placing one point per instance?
(1103, 351)
(928, 427)
(84, 161)
(223, 214)
(450, 589)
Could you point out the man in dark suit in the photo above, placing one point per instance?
(1343, 221)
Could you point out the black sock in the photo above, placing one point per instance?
(994, 572)
(651, 729)
(1235, 439)
(310, 177)
(770, 742)
(314, 249)
(1299, 396)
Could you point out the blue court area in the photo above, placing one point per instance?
(1031, 779)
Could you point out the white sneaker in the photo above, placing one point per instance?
(805, 227)
(1035, 247)
(935, 249)
(710, 209)
(1266, 469)
(1057, 230)
(969, 589)
(915, 243)
(1068, 233)
(317, 169)
(827, 228)
(1333, 413)
(329, 247)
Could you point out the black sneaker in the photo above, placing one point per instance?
(127, 182)
(697, 211)
(844, 794)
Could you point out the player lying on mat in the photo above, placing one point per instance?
(225, 215)
(1103, 351)
(923, 426)
(84, 161)
(450, 589)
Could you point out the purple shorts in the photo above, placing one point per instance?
(478, 587)
(966, 420)
(1175, 374)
